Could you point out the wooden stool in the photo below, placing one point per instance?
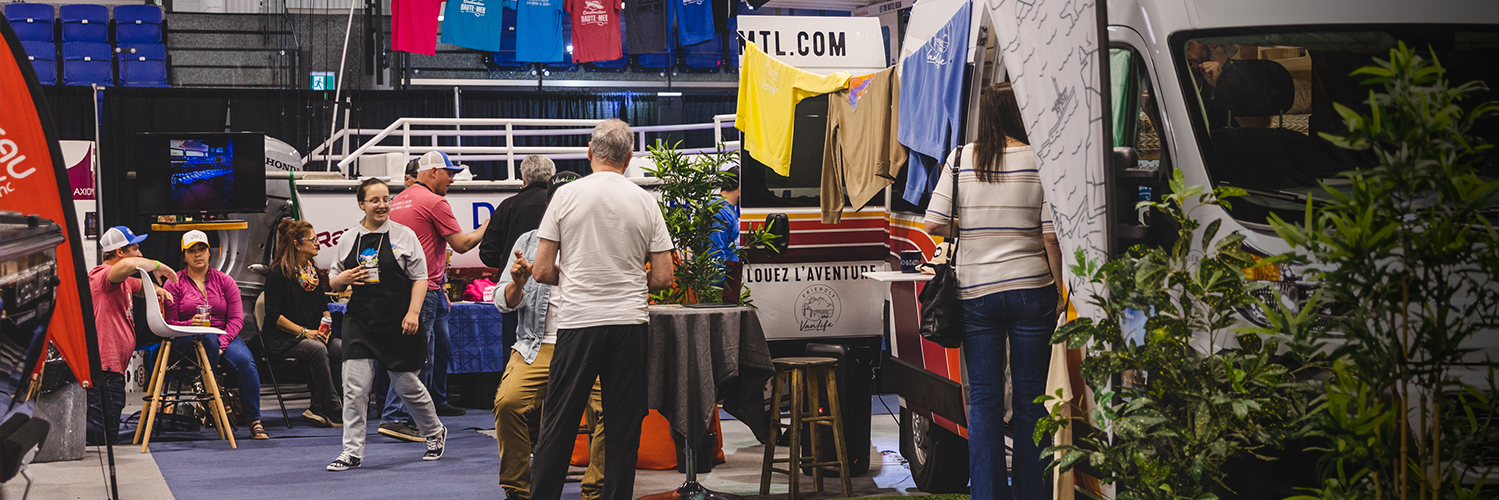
(805, 374)
(155, 400)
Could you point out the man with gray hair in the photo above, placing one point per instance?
(517, 214)
(595, 240)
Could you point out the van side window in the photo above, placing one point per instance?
(1136, 110)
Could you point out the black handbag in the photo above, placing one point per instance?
(941, 311)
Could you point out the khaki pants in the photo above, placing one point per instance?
(517, 414)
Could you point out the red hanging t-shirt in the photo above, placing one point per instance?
(595, 29)
(413, 25)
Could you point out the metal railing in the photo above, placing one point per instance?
(401, 130)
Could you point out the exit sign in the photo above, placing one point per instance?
(320, 80)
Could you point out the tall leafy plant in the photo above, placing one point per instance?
(1407, 251)
(690, 203)
(1203, 399)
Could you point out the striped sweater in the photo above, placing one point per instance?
(1000, 224)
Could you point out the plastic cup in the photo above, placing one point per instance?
(205, 310)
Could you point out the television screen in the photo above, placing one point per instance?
(201, 173)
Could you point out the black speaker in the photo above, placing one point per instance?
(855, 374)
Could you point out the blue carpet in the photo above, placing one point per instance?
(291, 464)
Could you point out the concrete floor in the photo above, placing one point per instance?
(140, 478)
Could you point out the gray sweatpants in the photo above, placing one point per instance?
(359, 376)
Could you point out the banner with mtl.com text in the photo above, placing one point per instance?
(33, 181)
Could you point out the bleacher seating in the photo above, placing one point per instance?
(136, 24)
(143, 65)
(505, 58)
(85, 63)
(43, 57)
(84, 23)
(704, 57)
(31, 21)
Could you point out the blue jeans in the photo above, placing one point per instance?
(1026, 318)
(105, 401)
(433, 319)
(240, 360)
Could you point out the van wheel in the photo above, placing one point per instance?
(937, 457)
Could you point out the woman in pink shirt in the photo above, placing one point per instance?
(198, 285)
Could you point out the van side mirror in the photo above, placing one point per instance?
(778, 226)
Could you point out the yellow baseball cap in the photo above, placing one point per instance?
(194, 237)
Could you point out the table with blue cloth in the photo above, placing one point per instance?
(478, 343)
(479, 350)
(474, 333)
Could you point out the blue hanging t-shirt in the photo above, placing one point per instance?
(538, 31)
(694, 21)
(931, 100)
(473, 24)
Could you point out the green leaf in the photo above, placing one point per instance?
(1210, 232)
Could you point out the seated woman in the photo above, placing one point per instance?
(198, 285)
(294, 307)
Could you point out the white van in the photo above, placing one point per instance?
(1171, 101)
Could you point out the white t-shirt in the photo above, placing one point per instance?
(549, 324)
(403, 244)
(606, 228)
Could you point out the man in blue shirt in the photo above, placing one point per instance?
(726, 239)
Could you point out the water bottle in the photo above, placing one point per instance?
(325, 327)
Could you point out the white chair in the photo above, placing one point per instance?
(161, 328)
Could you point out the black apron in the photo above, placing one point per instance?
(372, 325)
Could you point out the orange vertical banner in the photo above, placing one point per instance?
(34, 181)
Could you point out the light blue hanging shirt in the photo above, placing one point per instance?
(931, 100)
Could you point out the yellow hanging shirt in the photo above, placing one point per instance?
(768, 93)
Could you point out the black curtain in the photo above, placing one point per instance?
(301, 118)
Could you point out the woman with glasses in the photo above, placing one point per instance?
(382, 260)
(294, 309)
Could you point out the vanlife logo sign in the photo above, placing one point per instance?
(817, 299)
(818, 44)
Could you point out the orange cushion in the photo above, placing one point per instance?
(657, 448)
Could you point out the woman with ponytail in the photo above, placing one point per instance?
(294, 308)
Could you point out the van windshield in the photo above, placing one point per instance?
(1259, 97)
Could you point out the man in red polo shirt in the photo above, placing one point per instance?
(422, 208)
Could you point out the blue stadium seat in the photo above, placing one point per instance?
(143, 65)
(43, 56)
(657, 61)
(137, 24)
(84, 23)
(505, 58)
(31, 21)
(704, 57)
(85, 63)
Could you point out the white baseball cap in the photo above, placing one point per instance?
(193, 237)
(119, 237)
(435, 159)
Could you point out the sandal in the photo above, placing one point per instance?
(257, 431)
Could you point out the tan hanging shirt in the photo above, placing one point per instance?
(861, 155)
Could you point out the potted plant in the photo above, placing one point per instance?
(1180, 397)
(1409, 251)
(691, 204)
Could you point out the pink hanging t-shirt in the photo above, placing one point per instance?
(595, 30)
(413, 25)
